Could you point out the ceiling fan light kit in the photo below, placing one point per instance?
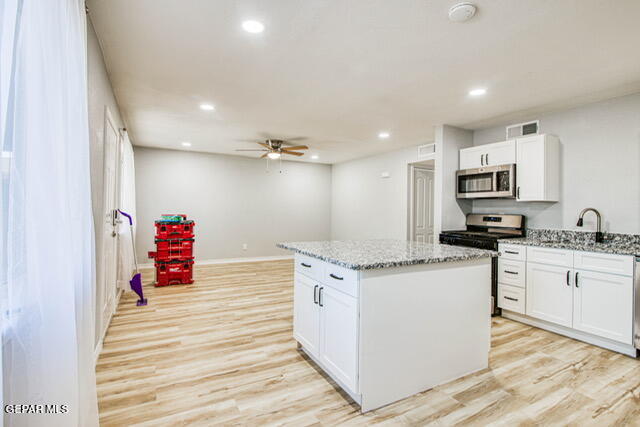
(274, 149)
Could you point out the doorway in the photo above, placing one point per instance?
(421, 200)
(107, 280)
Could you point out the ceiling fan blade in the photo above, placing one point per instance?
(265, 145)
(250, 149)
(292, 153)
(297, 138)
(264, 155)
(296, 147)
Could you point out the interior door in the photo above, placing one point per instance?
(422, 205)
(549, 293)
(603, 305)
(339, 335)
(306, 318)
(108, 290)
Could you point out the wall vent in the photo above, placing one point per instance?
(521, 129)
(426, 151)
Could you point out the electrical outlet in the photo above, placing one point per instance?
(244, 246)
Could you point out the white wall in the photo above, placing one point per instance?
(450, 212)
(366, 206)
(600, 167)
(233, 200)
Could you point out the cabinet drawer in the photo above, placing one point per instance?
(550, 256)
(514, 252)
(341, 278)
(511, 298)
(605, 263)
(311, 267)
(511, 272)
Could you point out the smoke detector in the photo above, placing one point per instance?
(461, 12)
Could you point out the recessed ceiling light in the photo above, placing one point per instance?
(185, 144)
(384, 135)
(252, 26)
(273, 155)
(314, 157)
(207, 107)
(478, 91)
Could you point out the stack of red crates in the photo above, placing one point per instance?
(174, 250)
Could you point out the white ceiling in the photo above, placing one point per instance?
(339, 71)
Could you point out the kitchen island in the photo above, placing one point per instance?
(390, 318)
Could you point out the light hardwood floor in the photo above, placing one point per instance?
(221, 351)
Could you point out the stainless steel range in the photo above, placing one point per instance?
(484, 231)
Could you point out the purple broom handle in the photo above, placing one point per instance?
(127, 215)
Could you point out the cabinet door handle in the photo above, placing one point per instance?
(577, 280)
(315, 294)
(568, 273)
(333, 276)
(511, 272)
(518, 192)
(481, 159)
(511, 299)
(512, 252)
(305, 265)
(320, 297)
(486, 159)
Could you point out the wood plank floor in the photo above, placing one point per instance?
(221, 352)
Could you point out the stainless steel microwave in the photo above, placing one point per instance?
(488, 182)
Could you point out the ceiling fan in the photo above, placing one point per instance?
(274, 148)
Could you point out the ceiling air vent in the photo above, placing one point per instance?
(521, 129)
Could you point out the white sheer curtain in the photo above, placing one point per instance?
(47, 257)
(128, 205)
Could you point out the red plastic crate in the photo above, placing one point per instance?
(174, 230)
(173, 249)
(174, 273)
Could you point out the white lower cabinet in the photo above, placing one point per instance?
(586, 292)
(339, 335)
(306, 316)
(325, 322)
(549, 293)
(603, 305)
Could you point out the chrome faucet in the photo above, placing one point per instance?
(599, 237)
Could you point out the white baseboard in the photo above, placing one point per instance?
(629, 350)
(231, 260)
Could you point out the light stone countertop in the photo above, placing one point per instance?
(614, 243)
(384, 253)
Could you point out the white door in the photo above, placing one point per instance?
(472, 158)
(422, 205)
(108, 291)
(603, 305)
(306, 318)
(530, 168)
(500, 153)
(549, 293)
(339, 335)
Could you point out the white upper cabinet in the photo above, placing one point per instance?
(538, 168)
(499, 153)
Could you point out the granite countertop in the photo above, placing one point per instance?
(613, 244)
(372, 254)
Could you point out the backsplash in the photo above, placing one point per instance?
(581, 236)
